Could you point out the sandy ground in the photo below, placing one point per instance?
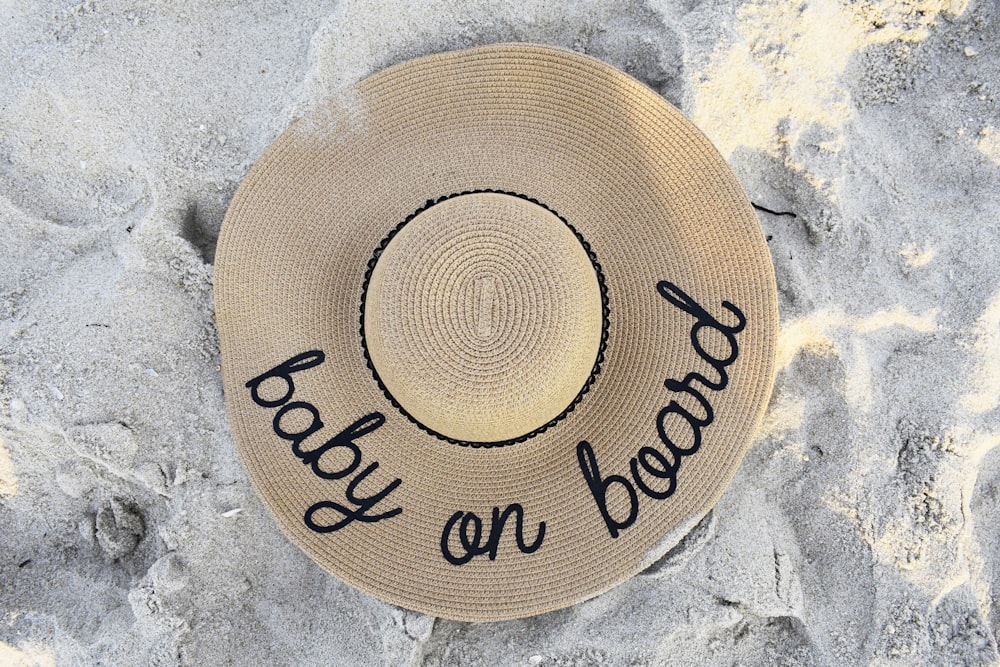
(864, 525)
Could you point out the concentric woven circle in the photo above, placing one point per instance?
(495, 324)
(469, 312)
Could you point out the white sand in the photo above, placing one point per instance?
(863, 527)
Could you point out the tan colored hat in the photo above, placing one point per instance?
(493, 324)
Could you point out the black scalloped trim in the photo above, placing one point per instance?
(605, 313)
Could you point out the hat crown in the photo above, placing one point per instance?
(483, 317)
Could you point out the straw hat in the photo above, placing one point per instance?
(494, 325)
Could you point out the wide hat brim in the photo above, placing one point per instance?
(687, 361)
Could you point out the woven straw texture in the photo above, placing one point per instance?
(479, 260)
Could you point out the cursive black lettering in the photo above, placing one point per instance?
(599, 489)
(321, 460)
(283, 371)
(469, 543)
(296, 438)
(343, 440)
(656, 464)
(470, 534)
(361, 505)
(686, 388)
(653, 470)
(674, 408)
(682, 300)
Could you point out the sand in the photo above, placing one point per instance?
(864, 525)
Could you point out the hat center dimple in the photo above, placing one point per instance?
(483, 317)
(486, 291)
